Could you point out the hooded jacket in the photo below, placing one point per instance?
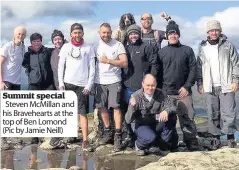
(38, 66)
(142, 59)
(228, 66)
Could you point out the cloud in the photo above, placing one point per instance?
(37, 9)
(192, 32)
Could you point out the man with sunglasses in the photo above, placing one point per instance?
(76, 71)
(149, 35)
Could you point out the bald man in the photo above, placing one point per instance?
(149, 35)
(11, 57)
(151, 114)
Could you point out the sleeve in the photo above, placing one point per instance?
(161, 36)
(235, 64)
(61, 65)
(121, 49)
(168, 105)
(129, 116)
(91, 68)
(152, 58)
(26, 62)
(199, 70)
(4, 50)
(54, 67)
(192, 70)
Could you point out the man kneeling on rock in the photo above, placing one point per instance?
(152, 117)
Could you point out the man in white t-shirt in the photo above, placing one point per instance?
(76, 71)
(111, 57)
(11, 57)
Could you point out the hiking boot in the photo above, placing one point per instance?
(194, 146)
(107, 137)
(155, 150)
(138, 151)
(34, 140)
(117, 142)
(231, 143)
(86, 147)
(4, 144)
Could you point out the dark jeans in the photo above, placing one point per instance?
(162, 133)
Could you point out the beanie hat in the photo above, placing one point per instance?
(35, 36)
(76, 26)
(134, 28)
(56, 33)
(172, 27)
(213, 25)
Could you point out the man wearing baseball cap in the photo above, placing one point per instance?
(217, 78)
(77, 57)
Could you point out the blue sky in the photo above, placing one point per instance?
(45, 16)
(187, 9)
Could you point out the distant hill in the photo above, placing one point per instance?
(198, 100)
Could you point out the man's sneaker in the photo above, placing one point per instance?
(86, 147)
(138, 151)
(34, 140)
(117, 142)
(231, 143)
(107, 137)
(4, 144)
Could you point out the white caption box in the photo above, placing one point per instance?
(39, 114)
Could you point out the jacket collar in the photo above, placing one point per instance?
(222, 39)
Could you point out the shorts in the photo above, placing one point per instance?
(108, 96)
(82, 99)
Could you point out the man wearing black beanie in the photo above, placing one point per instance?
(176, 77)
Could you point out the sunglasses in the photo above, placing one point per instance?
(75, 56)
(148, 19)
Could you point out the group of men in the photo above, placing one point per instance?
(146, 85)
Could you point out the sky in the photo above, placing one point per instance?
(45, 16)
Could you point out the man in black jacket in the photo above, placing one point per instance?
(152, 115)
(176, 77)
(142, 59)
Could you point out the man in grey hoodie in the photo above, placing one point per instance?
(217, 78)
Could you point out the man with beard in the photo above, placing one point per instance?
(111, 57)
(76, 71)
(142, 59)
